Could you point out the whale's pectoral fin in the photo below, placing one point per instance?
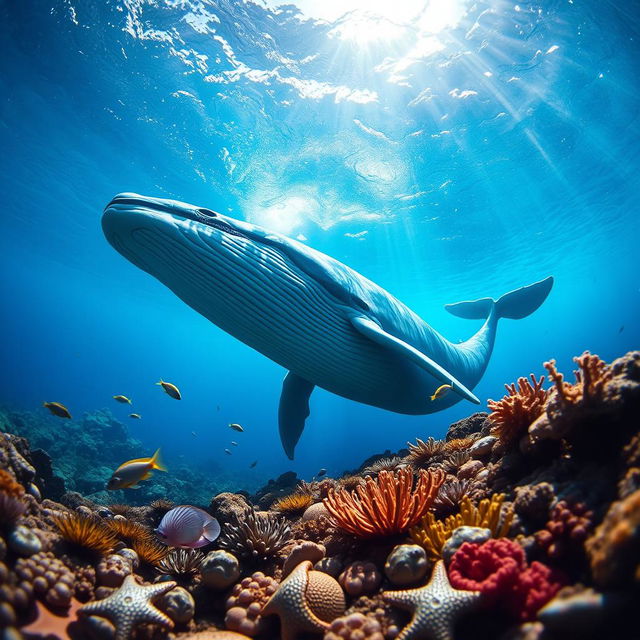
(376, 333)
(293, 410)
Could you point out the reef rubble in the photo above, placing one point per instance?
(522, 523)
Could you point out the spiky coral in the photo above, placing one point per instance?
(511, 416)
(384, 464)
(11, 494)
(422, 454)
(181, 563)
(149, 550)
(459, 444)
(431, 534)
(86, 533)
(453, 463)
(387, 505)
(127, 530)
(255, 535)
(294, 503)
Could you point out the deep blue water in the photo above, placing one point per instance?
(448, 152)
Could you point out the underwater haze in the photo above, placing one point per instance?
(447, 150)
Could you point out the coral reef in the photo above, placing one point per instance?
(500, 521)
(385, 506)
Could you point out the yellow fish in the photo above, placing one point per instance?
(57, 409)
(441, 391)
(135, 416)
(122, 399)
(128, 474)
(170, 389)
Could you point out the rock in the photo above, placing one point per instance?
(476, 423)
(23, 541)
(332, 566)
(360, 578)
(306, 550)
(227, 508)
(469, 469)
(130, 555)
(406, 564)
(462, 535)
(482, 447)
(284, 484)
(219, 570)
(315, 511)
(178, 604)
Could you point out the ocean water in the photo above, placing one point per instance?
(447, 151)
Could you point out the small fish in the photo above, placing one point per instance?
(135, 416)
(236, 427)
(188, 527)
(128, 474)
(170, 389)
(253, 464)
(234, 443)
(227, 451)
(441, 391)
(122, 399)
(321, 473)
(194, 434)
(621, 329)
(57, 409)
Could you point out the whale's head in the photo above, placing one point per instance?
(206, 258)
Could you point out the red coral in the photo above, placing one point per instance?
(498, 569)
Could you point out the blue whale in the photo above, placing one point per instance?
(325, 323)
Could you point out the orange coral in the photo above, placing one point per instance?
(293, 503)
(11, 494)
(128, 530)
(85, 532)
(591, 377)
(387, 505)
(513, 414)
(149, 550)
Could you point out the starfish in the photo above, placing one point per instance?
(435, 607)
(290, 605)
(130, 606)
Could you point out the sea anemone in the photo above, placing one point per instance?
(294, 503)
(182, 563)
(11, 494)
(511, 416)
(432, 534)
(459, 444)
(388, 505)
(128, 531)
(161, 506)
(86, 533)
(450, 496)
(453, 463)
(385, 464)
(150, 550)
(349, 483)
(422, 454)
(120, 509)
(255, 535)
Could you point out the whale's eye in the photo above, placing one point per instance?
(207, 213)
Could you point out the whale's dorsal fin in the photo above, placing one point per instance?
(375, 332)
(293, 410)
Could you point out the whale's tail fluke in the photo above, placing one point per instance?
(515, 304)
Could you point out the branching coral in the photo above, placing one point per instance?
(85, 532)
(422, 454)
(387, 505)
(11, 494)
(511, 416)
(591, 377)
(498, 569)
(432, 534)
(181, 563)
(255, 535)
(294, 503)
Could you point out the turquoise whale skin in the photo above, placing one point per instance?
(325, 323)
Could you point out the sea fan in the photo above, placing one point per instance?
(256, 535)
